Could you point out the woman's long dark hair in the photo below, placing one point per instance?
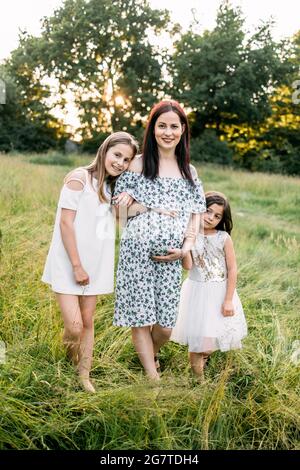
(150, 149)
(214, 197)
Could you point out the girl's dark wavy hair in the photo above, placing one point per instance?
(150, 149)
(214, 197)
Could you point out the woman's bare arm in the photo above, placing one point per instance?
(136, 209)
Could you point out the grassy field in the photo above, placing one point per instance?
(250, 399)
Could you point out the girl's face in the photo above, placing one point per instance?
(213, 216)
(168, 130)
(117, 159)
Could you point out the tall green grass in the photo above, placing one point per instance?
(250, 399)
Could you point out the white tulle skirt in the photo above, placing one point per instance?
(200, 323)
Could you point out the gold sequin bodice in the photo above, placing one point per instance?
(209, 264)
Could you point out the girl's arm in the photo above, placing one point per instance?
(69, 239)
(121, 204)
(227, 307)
(136, 209)
(187, 261)
(123, 212)
(124, 201)
(194, 227)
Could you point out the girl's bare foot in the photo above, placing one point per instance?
(198, 364)
(206, 358)
(72, 351)
(86, 384)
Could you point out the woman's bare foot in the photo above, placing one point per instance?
(157, 363)
(154, 377)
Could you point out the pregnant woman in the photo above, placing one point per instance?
(160, 234)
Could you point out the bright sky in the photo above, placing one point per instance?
(15, 14)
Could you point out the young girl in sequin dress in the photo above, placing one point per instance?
(80, 262)
(211, 315)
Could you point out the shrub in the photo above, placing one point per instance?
(208, 148)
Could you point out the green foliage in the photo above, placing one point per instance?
(249, 398)
(92, 144)
(225, 76)
(25, 120)
(273, 146)
(275, 160)
(101, 51)
(239, 87)
(209, 148)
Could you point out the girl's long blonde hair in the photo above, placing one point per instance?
(98, 164)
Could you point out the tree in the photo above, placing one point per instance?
(274, 145)
(25, 121)
(226, 77)
(100, 50)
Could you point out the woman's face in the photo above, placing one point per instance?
(168, 130)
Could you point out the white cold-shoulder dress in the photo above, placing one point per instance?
(95, 237)
(200, 323)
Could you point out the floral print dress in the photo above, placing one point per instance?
(147, 291)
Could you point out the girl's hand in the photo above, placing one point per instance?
(81, 276)
(190, 232)
(173, 255)
(227, 309)
(123, 199)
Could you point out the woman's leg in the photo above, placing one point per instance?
(87, 307)
(142, 341)
(160, 336)
(71, 314)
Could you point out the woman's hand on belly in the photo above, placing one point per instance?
(166, 212)
(173, 255)
(137, 209)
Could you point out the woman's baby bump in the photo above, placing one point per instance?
(158, 229)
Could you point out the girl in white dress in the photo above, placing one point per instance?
(80, 262)
(211, 315)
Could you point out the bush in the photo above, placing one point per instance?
(208, 148)
(286, 160)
